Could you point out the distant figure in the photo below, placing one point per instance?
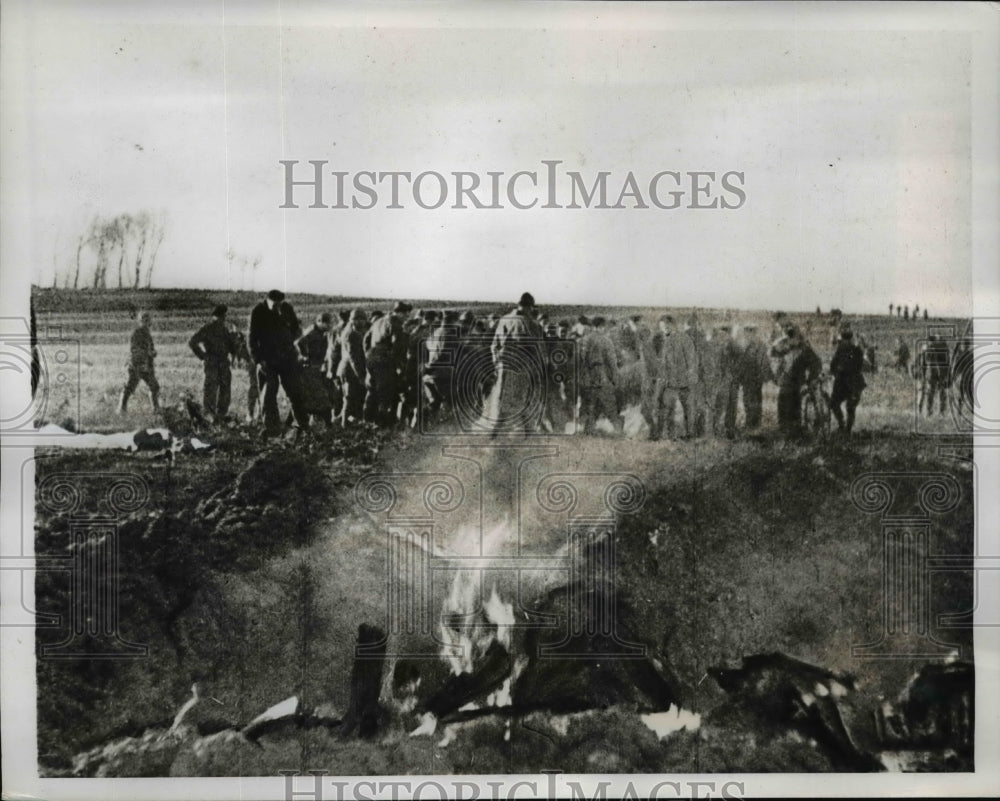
(925, 314)
(916, 311)
(140, 365)
(902, 356)
(271, 339)
(213, 344)
(963, 374)
(934, 373)
(906, 312)
(848, 381)
(899, 310)
(891, 307)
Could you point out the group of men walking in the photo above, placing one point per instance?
(520, 372)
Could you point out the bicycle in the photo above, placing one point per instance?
(816, 414)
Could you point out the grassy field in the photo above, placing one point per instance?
(251, 568)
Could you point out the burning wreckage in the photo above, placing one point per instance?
(493, 674)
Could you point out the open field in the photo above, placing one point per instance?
(252, 567)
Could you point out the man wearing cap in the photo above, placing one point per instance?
(598, 376)
(317, 388)
(140, 365)
(676, 373)
(271, 339)
(213, 343)
(846, 367)
(385, 356)
(352, 370)
(753, 370)
(517, 402)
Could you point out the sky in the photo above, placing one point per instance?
(855, 148)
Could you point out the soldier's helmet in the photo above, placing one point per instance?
(324, 319)
(358, 316)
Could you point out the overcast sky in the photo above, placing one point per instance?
(855, 147)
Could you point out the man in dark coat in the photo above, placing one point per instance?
(804, 368)
(848, 381)
(271, 339)
(214, 344)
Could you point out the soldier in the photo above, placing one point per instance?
(385, 356)
(213, 343)
(598, 376)
(906, 312)
(273, 331)
(848, 381)
(925, 314)
(140, 364)
(676, 373)
(890, 309)
(516, 404)
(803, 370)
(753, 371)
(937, 374)
(351, 369)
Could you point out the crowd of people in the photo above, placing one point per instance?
(523, 373)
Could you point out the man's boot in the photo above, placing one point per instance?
(122, 402)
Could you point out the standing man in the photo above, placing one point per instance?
(140, 364)
(846, 367)
(753, 371)
(385, 355)
(271, 339)
(598, 377)
(902, 356)
(677, 372)
(214, 344)
(351, 369)
(317, 387)
(517, 401)
(937, 367)
(804, 367)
